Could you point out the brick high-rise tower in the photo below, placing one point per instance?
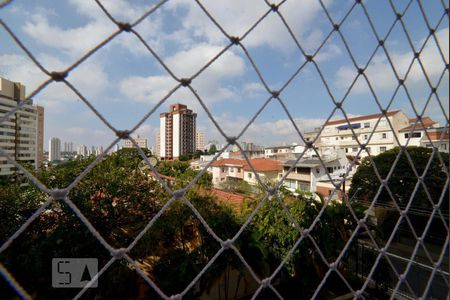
(177, 132)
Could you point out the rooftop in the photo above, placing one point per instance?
(361, 118)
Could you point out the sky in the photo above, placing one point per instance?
(124, 81)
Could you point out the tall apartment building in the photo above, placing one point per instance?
(18, 133)
(68, 147)
(40, 136)
(200, 141)
(158, 145)
(177, 132)
(82, 150)
(142, 142)
(54, 149)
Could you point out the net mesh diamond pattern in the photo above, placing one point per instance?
(393, 21)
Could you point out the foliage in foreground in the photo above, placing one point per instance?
(119, 200)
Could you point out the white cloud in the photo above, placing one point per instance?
(89, 78)
(236, 17)
(185, 63)
(76, 41)
(381, 76)
(267, 132)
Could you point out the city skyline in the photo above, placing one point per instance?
(186, 40)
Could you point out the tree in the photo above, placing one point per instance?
(301, 274)
(403, 180)
(212, 149)
(402, 184)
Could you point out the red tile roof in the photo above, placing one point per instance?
(231, 199)
(436, 136)
(264, 165)
(361, 118)
(259, 164)
(229, 161)
(426, 122)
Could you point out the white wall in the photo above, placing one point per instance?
(176, 147)
(162, 137)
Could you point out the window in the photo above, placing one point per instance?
(239, 170)
(342, 137)
(318, 170)
(384, 135)
(368, 149)
(355, 149)
(346, 150)
(353, 137)
(223, 170)
(231, 169)
(382, 149)
(291, 184)
(428, 145)
(416, 134)
(249, 175)
(406, 135)
(366, 136)
(330, 170)
(444, 146)
(337, 138)
(366, 125)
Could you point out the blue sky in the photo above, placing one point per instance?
(124, 81)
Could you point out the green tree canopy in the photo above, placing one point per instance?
(403, 179)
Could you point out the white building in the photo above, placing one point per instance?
(19, 133)
(200, 141)
(378, 136)
(82, 151)
(142, 142)
(68, 147)
(54, 149)
(311, 175)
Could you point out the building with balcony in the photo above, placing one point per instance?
(177, 135)
(311, 174)
(200, 141)
(54, 149)
(142, 142)
(20, 132)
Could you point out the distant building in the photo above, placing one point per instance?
(40, 137)
(177, 132)
(279, 152)
(82, 151)
(20, 131)
(158, 146)
(54, 149)
(200, 141)
(68, 147)
(142, 142)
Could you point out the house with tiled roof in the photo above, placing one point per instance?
(436, 137)
(238, 169)
(267, 170)
(412, 134)
(227, 169)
